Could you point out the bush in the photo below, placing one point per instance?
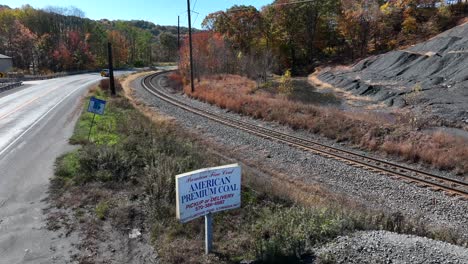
(176, 81)
(285, 233)
(67, 165)
(286, 86)
(104, 84)
(139, 63)
(105, 163)
(102, 210)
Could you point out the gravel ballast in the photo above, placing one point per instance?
(370, 189)
(387, 247)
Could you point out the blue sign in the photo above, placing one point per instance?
(96, 106)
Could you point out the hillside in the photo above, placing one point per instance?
(58, 39)
(431, 77)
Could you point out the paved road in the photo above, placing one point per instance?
(36, 121)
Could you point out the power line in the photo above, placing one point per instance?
(193, 11)
(195, 21)
(292, 3)
(280, 4)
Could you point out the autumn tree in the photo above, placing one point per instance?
(78, 45)
(97, 40)
(240, 24)
(286, 34)
(358, 19)
(294, 29)
(44, 46)
(119, 47)
(143, 48)
(58, 39)
(166, 48)
(21, 45)
(207, 59)
(62, 57)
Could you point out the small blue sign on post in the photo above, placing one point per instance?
(96, 106)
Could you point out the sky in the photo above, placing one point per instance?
(162, 12)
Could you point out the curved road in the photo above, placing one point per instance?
(36, 121)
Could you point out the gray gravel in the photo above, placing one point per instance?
(429, 78)
(370, 189)
(387, 247)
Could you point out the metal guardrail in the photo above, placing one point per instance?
(43, 77)
(10, 86)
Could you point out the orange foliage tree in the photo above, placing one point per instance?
(210, 55)
(119, 48)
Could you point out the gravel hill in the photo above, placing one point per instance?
(432, 76)
(387, 247)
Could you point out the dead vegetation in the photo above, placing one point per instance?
(104, 84)
(397, 136)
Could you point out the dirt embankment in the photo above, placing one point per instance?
(430, 78)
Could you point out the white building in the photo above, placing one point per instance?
(6, 63)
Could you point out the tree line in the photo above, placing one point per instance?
(299, 35)
(58, 39)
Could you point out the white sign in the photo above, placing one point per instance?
(208, 191)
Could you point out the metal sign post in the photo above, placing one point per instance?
(96, 106)
(208, 233)
(207, 191)
(91, 127)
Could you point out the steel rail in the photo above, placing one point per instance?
(436, 182)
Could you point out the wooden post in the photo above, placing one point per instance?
(192, 85)
(208, 233)
(111, 69)
(178, 32)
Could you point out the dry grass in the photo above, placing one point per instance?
(105, 85)
(366, 130)
(129, 94)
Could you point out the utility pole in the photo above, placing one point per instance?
(111, 68)
(192, 85)
(178, 32)
(150, 55)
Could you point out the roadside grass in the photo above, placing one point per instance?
(125, 174)
(368, 131)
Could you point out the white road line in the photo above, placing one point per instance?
(40, 118)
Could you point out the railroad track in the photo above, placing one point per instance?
(450, 186)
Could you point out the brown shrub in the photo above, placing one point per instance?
(176, 80)
(105, 85)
